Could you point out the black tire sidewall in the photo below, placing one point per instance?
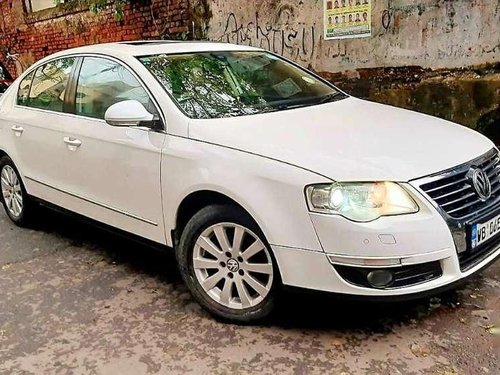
(205, 218)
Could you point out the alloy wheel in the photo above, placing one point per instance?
(233, 265)
(11, 191)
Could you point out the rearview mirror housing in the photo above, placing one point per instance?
(129, 113)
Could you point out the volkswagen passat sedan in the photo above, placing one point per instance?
(255, 171)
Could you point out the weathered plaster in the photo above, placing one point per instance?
(429, 33)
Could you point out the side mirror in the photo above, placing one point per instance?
(129, 113)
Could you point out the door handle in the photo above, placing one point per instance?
(18, 130)
(72, 142)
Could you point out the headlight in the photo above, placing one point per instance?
(360, 201)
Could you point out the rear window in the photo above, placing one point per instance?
(47, 87)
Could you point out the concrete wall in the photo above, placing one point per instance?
(432, 34)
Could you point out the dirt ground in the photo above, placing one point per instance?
(78, 300)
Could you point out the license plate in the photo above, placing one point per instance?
(484, 231)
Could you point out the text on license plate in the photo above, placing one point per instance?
(483, 232)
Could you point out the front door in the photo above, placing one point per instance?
(113, 173)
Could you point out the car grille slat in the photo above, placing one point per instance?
(451, 184)
(465, 206)
(495, 179)
(469, 195)
(491, 164)
(446, 195)
(495, 190)
(493, 174)
(452, 190)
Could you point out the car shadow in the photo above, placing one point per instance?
(114, 245)
(316, 310)
(295, 309)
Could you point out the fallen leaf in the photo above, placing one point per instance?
(418, 351)
(337, 342)
(488, 327)
(332, 353)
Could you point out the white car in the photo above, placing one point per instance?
(255, 171)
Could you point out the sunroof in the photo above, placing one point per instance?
(159, 42)
(149, 42)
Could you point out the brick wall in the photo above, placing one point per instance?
(39, 34)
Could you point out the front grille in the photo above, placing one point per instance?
(403, 276)
(471, 257)
(452, 190)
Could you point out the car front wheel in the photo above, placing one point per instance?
(227, 265)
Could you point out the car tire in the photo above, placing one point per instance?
(237, 281)
(17, 203)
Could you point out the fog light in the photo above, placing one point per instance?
(380, 278)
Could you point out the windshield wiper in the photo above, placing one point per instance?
(330, 97)
(325, 99)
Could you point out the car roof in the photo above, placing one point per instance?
(152, 47)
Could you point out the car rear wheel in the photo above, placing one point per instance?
(227, 264)
(15, 200)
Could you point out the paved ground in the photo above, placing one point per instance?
(77, 300)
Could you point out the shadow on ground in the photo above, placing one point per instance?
(296, 309)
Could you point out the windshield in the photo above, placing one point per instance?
(234, 83)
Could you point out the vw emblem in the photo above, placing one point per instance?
(233, 265)
(481, 183)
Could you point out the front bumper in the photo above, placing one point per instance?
(314, 270)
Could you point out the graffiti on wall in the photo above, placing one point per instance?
(296, 42)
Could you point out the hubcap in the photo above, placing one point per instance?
(233, 266)
(11, 191)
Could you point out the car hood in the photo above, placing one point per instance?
(349, 140)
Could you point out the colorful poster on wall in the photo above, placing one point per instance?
(347, 19)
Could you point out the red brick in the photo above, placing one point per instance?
(42, 38)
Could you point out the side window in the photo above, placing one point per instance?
(102, 83)
(24, 89)
(49, 85)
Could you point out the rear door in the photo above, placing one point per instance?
(36, 125)
(113, 173)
